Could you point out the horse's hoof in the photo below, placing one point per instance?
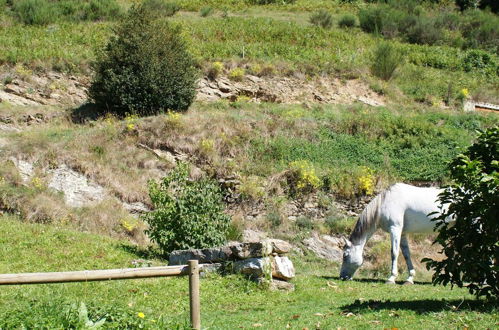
(408, 283)
(390, 282)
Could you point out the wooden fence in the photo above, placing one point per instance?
(192, 270)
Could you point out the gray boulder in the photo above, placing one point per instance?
(213, 255)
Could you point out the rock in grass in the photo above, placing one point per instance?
(277, 285)
(254, 267)
(181, 257)
(282, 268)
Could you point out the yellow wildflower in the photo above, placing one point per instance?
(141, 315)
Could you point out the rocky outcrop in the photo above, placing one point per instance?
(78, 190)
(255, 259)
(44, 89)
(325, 246)
(213, 255)
(288, 90)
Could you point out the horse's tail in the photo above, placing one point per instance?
(368, 219)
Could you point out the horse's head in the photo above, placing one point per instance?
(352, 259)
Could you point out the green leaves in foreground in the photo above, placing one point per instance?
(187, 214)
(471, 243)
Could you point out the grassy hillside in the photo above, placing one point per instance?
(272, 160)
(258, 144)
(320, 299)
(280, 39)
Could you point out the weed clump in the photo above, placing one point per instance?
(145, 68)
(161, 7)
(322, 18)
(43, 12)
(237, 74)
(215, 70)
(347, 21)
(302, 177)
(206, 11)
(386, 60)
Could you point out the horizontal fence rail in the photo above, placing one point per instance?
(92, 275)
(192, 270)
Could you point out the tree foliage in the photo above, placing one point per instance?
(145, 68)
(471, 243)
(187, 214)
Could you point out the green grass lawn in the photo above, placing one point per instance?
(319, 301)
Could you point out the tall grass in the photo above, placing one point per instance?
(386, 60)
(43, 12)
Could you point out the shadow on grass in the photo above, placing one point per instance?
(422, 306)
(370, 280)
(85, 112)
(143, 253)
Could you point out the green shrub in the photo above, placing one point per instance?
(423, 31)
(35, 12)
(481, 30)
(471, 243)
(237, 74)
(206, 11)
(145, 68)
(322, 18)
(478, 60)
(371, 19)
(215, 70)
(161, 7)
(100, 9)
(347, 21)
(304, 223)
(386, 60)
(187, 214)
(42, 12)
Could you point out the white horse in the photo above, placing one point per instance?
(399, 210)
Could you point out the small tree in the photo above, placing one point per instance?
(145, 68)
(187, 214)
(471, 243)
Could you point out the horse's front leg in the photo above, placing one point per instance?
(395, 233)
(404, 245)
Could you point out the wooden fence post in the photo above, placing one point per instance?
(194, 294)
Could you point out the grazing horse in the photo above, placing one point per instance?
(399, 210)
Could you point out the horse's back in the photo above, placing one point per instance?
(408, 206)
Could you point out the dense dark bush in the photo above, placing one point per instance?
(481, 30)
(145, 68)
(371, 19)
(187, 214)
(423, 31)
(493, 5)
(471, 243)
(42, 12)
(415, 24)
(347, 21)
(322, 18)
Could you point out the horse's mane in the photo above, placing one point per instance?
(368, 218)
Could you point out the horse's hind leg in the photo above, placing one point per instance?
(395, 234)
(404, 245)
